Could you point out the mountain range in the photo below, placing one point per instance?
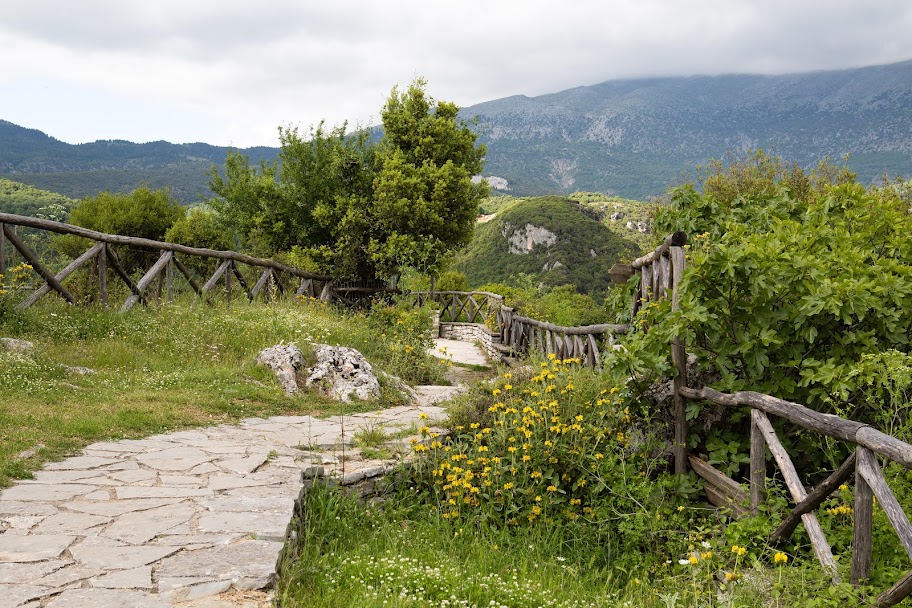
(632, 138)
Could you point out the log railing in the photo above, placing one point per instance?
(660, 273)
(464, 306)
(522, 335)
(272, 278)
(870, 483)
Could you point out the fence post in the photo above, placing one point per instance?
(864, 511)
(2, 250)
(101, 263)
(679, 360)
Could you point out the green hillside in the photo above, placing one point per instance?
(23, 199)
(555, 239)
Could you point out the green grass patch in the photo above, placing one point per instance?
(157, 370)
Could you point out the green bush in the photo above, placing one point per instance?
(405, 333)
(201, 228)
(142, 213)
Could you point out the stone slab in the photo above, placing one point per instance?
(79, 463)
(118, 557)
(174, 459)
(246, 522)
(79, 524)
(32, 548)
(46, 493)
(31, 571)
(135, 578)
(105, 598)
(12, 596)
(139, 527)
(119, 507)
(249, 564)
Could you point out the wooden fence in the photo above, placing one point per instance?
(868, 442)
(464, 306)
(272, 276)
(522, 335)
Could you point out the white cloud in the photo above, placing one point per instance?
(232, 71)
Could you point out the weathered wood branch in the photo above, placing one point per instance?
(187, 275)
(141, 243)
(896, 593)
(870, 471)
(678, 239)
(785, 530)
(36, 265)
(863, 527)
(815, 533)
(573, 331)
(119, 271)
(147, 279)
(825, 424)
(725, 492)
(63, 274)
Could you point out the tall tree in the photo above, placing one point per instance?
(358, 208)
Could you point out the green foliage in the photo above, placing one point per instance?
(559, 305)
(143, 213)
(787, 297)
(22, 199)
(582, 254)
(202, 228)
(358, 208)
(405, 332)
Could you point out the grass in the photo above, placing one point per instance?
(156, 370)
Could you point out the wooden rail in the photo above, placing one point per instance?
(464, 306)
(101, 253)
(870, 482)
(660, 273)
(522, 335)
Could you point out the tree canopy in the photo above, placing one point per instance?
(357, 207)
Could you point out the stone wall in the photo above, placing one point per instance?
(472, 332)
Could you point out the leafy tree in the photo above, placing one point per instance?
(359, 208)
(143, 213)
(792, 290)
(202, 228)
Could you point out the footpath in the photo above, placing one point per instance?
(194, 518)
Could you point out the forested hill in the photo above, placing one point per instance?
(633, 138)
(30, 156)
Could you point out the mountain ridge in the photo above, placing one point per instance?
(630, 137)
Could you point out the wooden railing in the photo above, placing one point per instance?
(272, 279)
(660, 273)
(522, 335)
(465, 306)
(863, 462)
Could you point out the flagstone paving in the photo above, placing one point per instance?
(193, 518)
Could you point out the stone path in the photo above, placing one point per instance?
(459, 352)
(175, 517)
(194, 518)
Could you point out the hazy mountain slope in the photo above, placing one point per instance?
(555, 239)
(632, 138)
(32, 157)
(635, 137)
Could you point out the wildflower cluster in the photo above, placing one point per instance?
(544, 450)
(15, 278)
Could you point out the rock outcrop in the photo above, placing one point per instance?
(343, 373)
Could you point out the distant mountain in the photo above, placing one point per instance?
(557, 240)
(631, 138)
(634, 138)
(32, 157)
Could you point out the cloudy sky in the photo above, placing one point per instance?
(229, 72)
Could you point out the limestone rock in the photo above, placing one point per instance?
(284, 360)
(16, 346)
(343, 374)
